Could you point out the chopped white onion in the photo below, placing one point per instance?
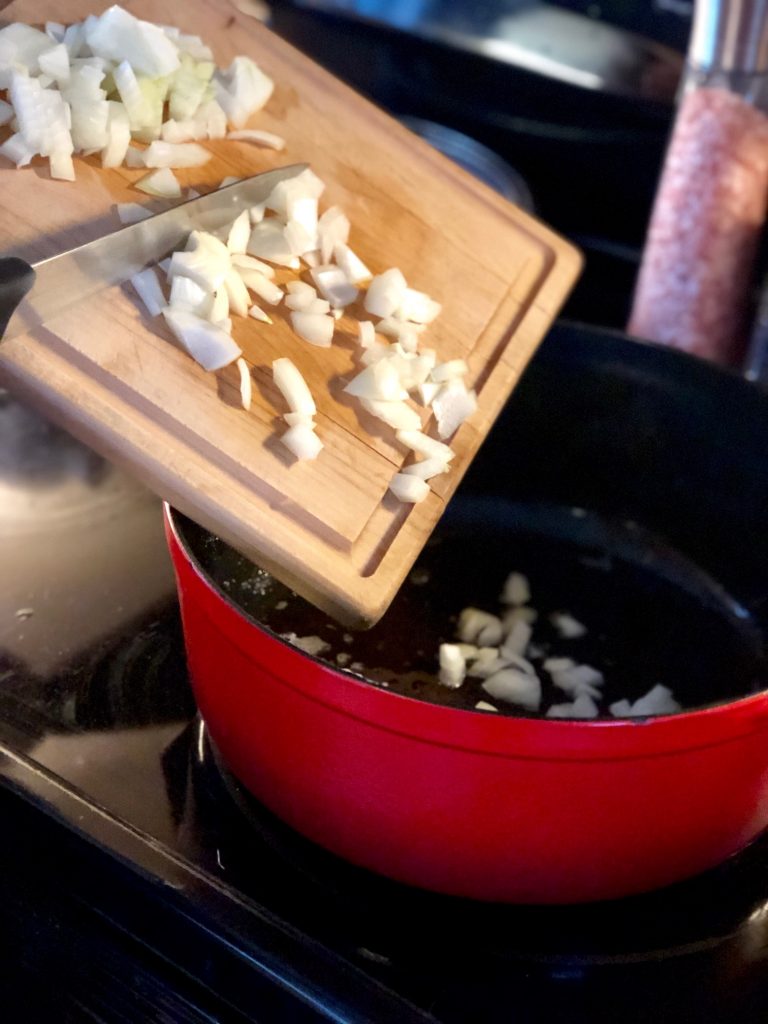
(302, 441)
(517, 589)
(449, 371)
(162, 183)
(239, 233)
(149, 291)
(353, 267)
(243, 262)
(237, 293)
(426, 469)
(516, 687)
(380, 380)
(483, 705)
(188, 295)
(452, 405)
(315, 328)
(333, 285)
(261, 285)
(292, 418)
(395, 414)
(332, 229)
(658, 701)
(258, 314)
(117, 35)
(366, 333)
(385, 293)
(208, 343)
(408, 489)
(418, 307)
(268, 242)
(128, 213)
(242, 89)
(171, 154)
(566, 626)
(246, 389)
(427, 392)
(425, 445)
(478, 627)
(259, 138)
(293, 387)
(453, 667)
(205, 260)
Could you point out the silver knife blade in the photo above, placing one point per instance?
(64, 280)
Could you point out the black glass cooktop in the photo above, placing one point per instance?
(112, 792)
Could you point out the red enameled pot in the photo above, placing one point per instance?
(510, 808)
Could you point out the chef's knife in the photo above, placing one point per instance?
(31, 295)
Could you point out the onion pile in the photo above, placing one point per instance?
(98, 85)
(498, 649)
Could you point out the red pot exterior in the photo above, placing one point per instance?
(475, 805)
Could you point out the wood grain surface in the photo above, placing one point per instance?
(114, 378)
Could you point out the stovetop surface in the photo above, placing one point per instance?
(94, 691)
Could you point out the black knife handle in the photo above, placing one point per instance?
(16, 278)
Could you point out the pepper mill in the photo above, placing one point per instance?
(695, 277)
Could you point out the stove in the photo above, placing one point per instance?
(139, 881)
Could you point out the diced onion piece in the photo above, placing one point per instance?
(55, 62)
(188, 295)
(478, 627)
(315, 328)
(261, 285)
(449, 371)
(453, 667)
(160, 183)
(452, 405)
(516, 641)
(378, 350)
(171, 154)
(312, 259)
(517, 590)
(293, 387)
(205, 260)
(134, 157)
(366, 333)
(258, 314)
(149, 291)
(180, 131)
(268, 242)
(300, 300)
(302, 441)
(658, 701)
(582, 707)
(16, 149)
(292, 418)
(131, 95)
(256, 213)
(380, 380)
(567, 626)
(576, 679)
(260, 138)
(117, 34)
(239, 233)
(425, 445)
(427, 391)
(486, 663)
(118, 135)
(354, 268)
(418, 307)
(209, 344)
(519, 614)
(483, 705)
(515, 687)
(243, 262)
(426, 469)
(246, 389)
(61, 166)
(242, 89)
(129, 213)
(237, 293)
(220, 309)
(320, 306)
(408, 489)
(332, 229)
(55, 30)
(286, 194)
(385, 293)
(395, 414)
(298, 238)
(620, 708)
(333, 285)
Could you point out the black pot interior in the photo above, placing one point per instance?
(629, 483)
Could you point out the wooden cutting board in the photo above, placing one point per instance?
(111, 376)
